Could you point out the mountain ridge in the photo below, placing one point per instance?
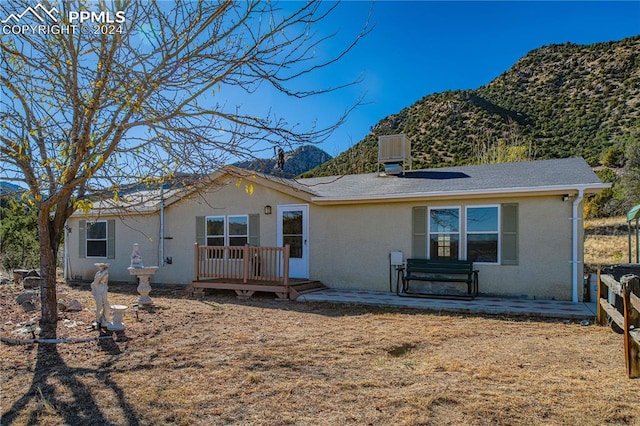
(296, 162)
(558, 101)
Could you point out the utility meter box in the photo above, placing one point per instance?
(396, 258)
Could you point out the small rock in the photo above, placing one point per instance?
(28, 328)
(69, 324)
(27, 296)
(74, 305)
(31, 282)
(4, 280)
(28, 306)
(18, 275)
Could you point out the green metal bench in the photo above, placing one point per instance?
(440, 271)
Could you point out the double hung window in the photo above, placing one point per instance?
(238, 230)
(227, 231)
(215, 230)
(444, 233)
(96, 239)
(483, 234)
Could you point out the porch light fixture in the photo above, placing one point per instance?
(267, 209)
(565, 197)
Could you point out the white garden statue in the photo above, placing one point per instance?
(99, 288)
(136, 257)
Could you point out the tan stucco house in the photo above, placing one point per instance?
(521, 224)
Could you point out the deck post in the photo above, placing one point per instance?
(601, 316)
(631, 284)
(287, 250)
(196, 269)
(245, 264)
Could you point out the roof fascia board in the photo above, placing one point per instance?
(93, 214)
(471, 194)
(208, 181)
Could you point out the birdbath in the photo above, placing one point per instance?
(144, 288)
(143, 273)
(116, 323)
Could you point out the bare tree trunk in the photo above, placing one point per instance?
(48, 296)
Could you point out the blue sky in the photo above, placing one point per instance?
(421, 47)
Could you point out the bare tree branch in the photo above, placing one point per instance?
(111, 105)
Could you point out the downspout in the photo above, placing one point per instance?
(161, 250)
(575, 259)
(66, 253)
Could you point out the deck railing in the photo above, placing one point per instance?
(246, 263)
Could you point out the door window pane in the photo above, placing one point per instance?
(292, 223)
(295, 243)
(292, 232)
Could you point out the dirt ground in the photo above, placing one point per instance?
(222, 361)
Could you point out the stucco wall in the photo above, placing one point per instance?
(236, 198)
(141, 229)
(349, 245)
(355, 254)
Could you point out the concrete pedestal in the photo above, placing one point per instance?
(118, 312)
(144, 288)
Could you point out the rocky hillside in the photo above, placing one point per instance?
(557, 101)
(296, 162)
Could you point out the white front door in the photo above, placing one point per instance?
(293, 229)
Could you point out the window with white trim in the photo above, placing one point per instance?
(483, 233)
(227, 231)
(444, 233)
(96, 241)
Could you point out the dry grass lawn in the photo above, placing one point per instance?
(606, 242)
(221, 360)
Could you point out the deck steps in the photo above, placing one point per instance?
(303, 287)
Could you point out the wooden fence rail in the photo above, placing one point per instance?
(624, 312)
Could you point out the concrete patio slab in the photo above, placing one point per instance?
(480, 305)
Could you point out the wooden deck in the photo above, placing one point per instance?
(245, 270)
(244, 290)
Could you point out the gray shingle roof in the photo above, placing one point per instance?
(545, 175)
(532, 175)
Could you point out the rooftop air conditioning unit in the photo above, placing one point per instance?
(394, 153)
